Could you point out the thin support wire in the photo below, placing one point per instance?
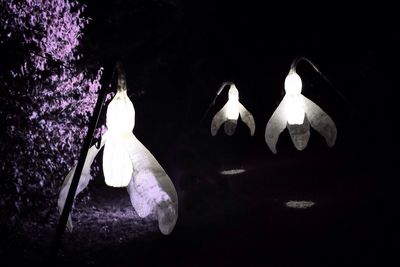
(222, 87)
(298, 59)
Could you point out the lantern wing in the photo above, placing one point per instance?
(153, 190)
(276, 124)
(219, 119)
(247, 118)
(138, 199)
(320, 121)
(83, 181)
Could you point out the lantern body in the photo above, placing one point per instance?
(120, 121)
(294, 111)
(229, 115)
(232, 106)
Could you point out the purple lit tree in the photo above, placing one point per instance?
(47, 96)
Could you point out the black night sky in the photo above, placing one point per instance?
(176, 54)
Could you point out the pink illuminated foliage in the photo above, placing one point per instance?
(47, 98)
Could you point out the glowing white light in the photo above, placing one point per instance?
(120, 121)
(232, 107)
(297, 113)
(293, 84)
(232, 171)
(294, 109)
(229, 114)
(303, 204)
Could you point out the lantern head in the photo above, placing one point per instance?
(293, 84)
(233, 93)
(120, 117)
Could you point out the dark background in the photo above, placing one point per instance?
(176, 55)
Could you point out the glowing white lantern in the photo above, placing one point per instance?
(127, 162)
(230, 112)
(297, 113)
(120, 121)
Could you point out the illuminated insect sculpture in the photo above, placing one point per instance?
(128, 163)
(297, 113)
(229, 114)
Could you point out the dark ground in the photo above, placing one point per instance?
(236, 220)
(177, 53)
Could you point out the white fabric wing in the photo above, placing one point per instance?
(83, 181)
(275, 126)
(247, 118)
(151, 190)
(218, 120)
(138, 200)
(320, 121)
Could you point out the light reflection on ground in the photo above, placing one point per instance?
(232, 171)
(303, 204)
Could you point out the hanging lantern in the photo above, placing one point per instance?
(297, 113)
(230, 112)
(128, 163)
